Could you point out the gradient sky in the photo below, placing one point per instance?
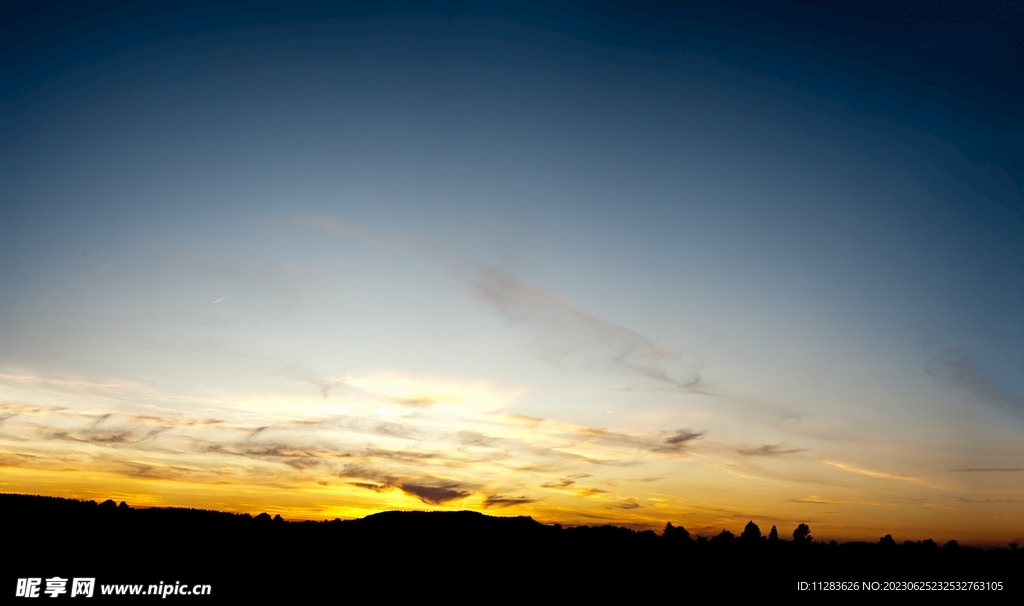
(589, 263)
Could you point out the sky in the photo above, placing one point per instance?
(594, 263)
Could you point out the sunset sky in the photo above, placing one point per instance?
(583, 262)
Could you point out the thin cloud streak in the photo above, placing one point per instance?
(957, 366)
(430, 490)
(989, 469)
(500, 501)
(769, 450)
(565, 334)
(569, 334)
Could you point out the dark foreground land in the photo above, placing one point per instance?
(458, 556)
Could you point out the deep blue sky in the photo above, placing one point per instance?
(794, 230)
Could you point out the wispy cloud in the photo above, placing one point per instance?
(769, 450)
(988, 469)
(430, 490)
(816, 501)
(871, 473)
(113, 389)
(501, 501)
(567, 481)
(676, 442)
(156, 472)
(957, 366)
(18, 459)
(107, 436)
(564, 333)
(865, 472)
(173, 421)
(435, 495)
(626, 504)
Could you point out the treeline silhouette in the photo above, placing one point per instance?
(417, 553)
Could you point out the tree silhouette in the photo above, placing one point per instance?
(751, 532)
(676, 533)
(802, 534)
(499, 544)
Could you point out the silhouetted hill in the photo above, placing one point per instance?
(414, 552)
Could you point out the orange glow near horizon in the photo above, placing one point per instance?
(428, 443)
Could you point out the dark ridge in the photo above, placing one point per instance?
(417, 554)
